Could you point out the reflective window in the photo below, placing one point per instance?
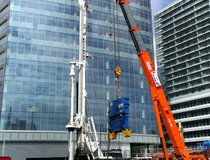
(43, 38)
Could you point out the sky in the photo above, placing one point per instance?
(158, 4)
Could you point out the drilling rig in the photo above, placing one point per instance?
(87, 144)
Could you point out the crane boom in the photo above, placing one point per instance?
(161, 106)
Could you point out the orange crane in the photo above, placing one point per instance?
(161, 106)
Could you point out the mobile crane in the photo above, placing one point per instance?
(161, 106)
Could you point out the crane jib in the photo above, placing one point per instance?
(161, 105)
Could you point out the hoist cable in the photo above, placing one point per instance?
(96, 97)
(116, 49)
(118, 38)
(117, 62)
(114, 34)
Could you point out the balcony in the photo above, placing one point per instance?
(197, 139)
(3, 40)
(183, 110)
(186, 47)
(183, 15)
(3, 29)
(183, 10)
(185, 54)
(4, 15)
(193, 129)
(189, 33)
(194, 118)
(3, 4)
(197, 22)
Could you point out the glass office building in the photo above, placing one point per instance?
(183, 50)
(38, 39)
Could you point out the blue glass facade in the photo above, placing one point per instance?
(43, 37)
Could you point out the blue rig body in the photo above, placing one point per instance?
(118, 117)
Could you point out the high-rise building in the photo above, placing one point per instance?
(38, 38)
(183, 51)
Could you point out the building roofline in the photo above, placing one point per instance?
(168, 6)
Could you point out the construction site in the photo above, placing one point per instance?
(164, 141)
(119, 109)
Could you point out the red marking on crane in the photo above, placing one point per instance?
(134, 29)
(123, 2)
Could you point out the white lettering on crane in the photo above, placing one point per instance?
(170, 122)
(149, 66)
(156, 79)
